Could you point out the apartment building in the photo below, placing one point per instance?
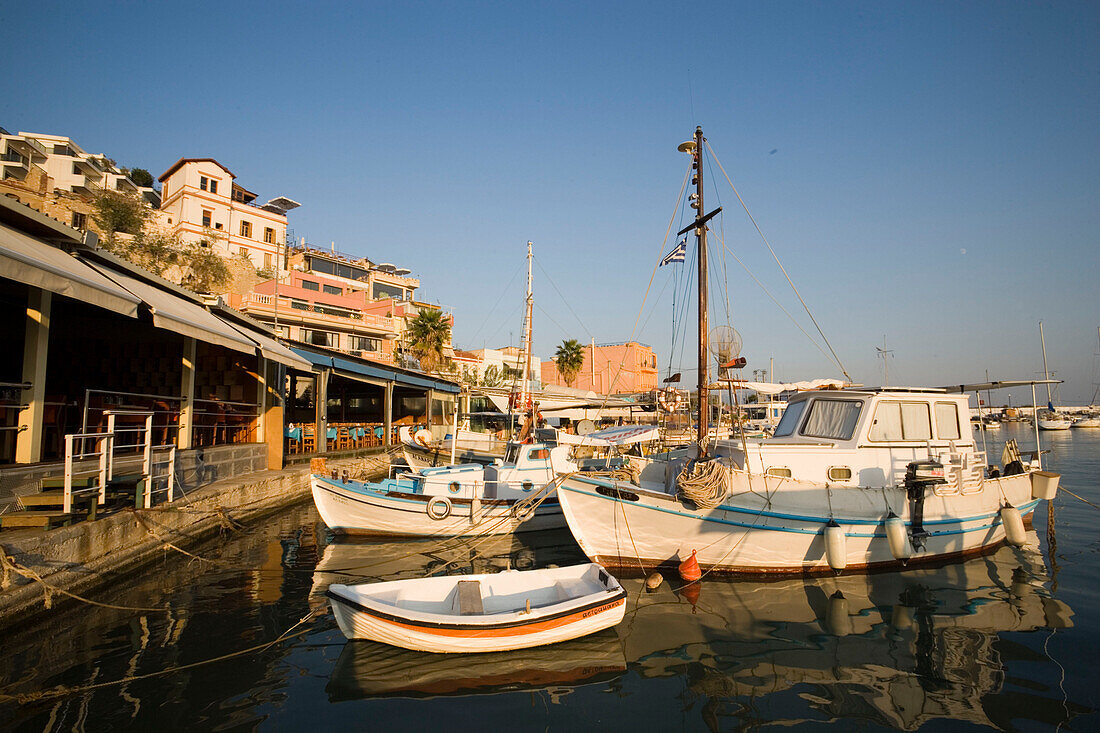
(619, 368)
(497, 367)
(201, 202)
(348, 304)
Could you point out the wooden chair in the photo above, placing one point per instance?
(309, 440)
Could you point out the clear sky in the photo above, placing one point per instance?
(927, 172)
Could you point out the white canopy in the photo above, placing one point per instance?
(777, 387)
(621, 435)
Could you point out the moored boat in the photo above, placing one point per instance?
(853, 479)
(465, 499)
(481, 613)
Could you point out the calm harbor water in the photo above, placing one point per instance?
(1010, 641)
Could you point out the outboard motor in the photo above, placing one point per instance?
(919, 477)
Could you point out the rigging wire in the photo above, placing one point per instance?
(503, 292)
(641, 308)
(776, 257)
(567, 305)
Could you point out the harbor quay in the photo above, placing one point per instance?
(45, 570)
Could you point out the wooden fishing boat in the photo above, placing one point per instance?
(481, 613)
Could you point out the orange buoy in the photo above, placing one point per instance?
(689, 569)
(690, 593)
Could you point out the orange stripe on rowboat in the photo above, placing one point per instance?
(520, 630)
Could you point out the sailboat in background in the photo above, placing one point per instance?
(1049, 419)
(852, 479)
(1092, 418)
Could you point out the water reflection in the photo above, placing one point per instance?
(898, 649)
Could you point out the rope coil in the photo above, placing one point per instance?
(706, 483)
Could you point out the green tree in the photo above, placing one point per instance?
(141, 177)
(492, 377)
(205, 270)
(153, 251)
(115, 212)
(428, 333)
(569, 359)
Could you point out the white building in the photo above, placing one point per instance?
(506, 364)
(200, 202)
(74, 169)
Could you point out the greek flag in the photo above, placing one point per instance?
(677, 254)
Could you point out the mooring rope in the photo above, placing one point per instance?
(11, 565)
(65, 691)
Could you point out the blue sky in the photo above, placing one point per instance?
(927, 172)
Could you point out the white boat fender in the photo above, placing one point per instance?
(439, 507)
(837, 620)
(423, 438)
(1014, 525)
(898, 537)
(653, 582)
(836, 549)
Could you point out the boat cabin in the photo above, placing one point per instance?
(526, 467)
(864, 438)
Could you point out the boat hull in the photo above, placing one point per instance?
(361, 622)
(779, 527)
(349, 511)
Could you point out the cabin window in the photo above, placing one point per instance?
(947, 420)
(511, 455)
(840, 473)
(790, 419)
(901, 421)
(775, 471)
(833, 419)
(539, 454)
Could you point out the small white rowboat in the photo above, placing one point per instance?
(481, 613)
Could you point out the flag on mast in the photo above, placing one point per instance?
(678, 253)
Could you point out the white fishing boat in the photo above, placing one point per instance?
(465, 499)
(481, 613)
(421, 450)
(852, 479)
(1088, 421)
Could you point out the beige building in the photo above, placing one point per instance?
(201, 202)
(619, 368)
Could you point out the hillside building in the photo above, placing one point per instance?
(619, 368)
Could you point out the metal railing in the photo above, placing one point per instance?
(75, 450)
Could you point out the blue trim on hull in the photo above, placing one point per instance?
(1025, 509)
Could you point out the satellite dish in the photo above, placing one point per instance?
(586, 427)
(725, 343)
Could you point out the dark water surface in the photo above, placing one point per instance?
(1008, 641)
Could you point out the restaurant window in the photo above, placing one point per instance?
(204, 183)
(320, 338)
(363, 343)
(310, 285)
(333, 290)
(206, 216)
(246, 229)
(269, 235)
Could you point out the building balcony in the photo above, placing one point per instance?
(293, 311)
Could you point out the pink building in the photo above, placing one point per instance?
(620, 368)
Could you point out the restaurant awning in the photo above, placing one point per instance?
(354, 369)
(174, 313)
(28, 260)
(272, 349)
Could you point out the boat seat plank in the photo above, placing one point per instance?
(469, 598)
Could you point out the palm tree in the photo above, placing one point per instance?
(569, 359)
(428, 333)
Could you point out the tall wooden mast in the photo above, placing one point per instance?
(701, 238)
